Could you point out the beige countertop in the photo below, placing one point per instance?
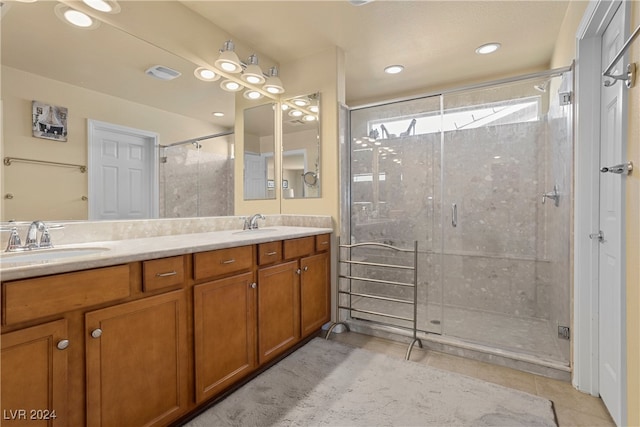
(123, 251)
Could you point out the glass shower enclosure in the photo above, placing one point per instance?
(481, 179)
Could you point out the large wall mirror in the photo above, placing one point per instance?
(88, 72)
(301, 147)
(259, 148)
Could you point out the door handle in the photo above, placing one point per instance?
(454, 215)
(599, 235)
(622, 168)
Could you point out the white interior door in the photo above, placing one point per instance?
(255, 176)
(611, 290)
(122, 173)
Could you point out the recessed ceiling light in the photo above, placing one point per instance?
(393, 69)
(488, 48)
(218, 114)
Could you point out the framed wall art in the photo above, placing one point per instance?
(49, 121)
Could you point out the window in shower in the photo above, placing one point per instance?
(463, 173)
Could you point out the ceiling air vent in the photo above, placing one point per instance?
(162, 72)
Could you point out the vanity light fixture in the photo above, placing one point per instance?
(206, 74)
(295, 113)
(231, 86)
(309, 118)
(228, 60)
(273, 84)
(488, 48)
(253, 73)
(314, 109)
(393, 69)
(301, 102)
(252, 94)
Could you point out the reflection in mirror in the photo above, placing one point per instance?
(88, 72)
(301, 147)
(196, 177)
(259, 146)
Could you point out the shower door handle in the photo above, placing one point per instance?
(454, 215)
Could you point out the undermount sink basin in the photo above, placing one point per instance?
(47, 254)
(255, 231)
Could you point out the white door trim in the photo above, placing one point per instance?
(95, 125)
(586, 190)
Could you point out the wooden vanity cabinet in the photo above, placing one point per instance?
(315, 295)
(145, 343)
(34, 375)
(136, 362)
(278, 309)
(224, 333)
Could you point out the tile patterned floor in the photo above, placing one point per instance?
(573, 408)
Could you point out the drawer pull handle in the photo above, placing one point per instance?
(271, 253)
(229, 261)
(96, 333)
(62, 344)
(170, 273)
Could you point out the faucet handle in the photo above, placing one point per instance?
(245, 225)
(14, 242)
(45, 238)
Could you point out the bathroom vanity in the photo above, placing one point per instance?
(151, 329)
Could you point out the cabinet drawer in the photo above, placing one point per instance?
(294, 248)
(223, 261)
(162, 273)
(44, 296)
(323, 242)
(269, 252)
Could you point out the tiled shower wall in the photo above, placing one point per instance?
(195, 183)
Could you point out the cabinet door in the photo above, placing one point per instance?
(34, 376)
(225, 333)
(315, 295)
(278, 309)
(137, 362)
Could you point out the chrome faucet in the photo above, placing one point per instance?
(31, 242)
(32, 236)
(252, 222)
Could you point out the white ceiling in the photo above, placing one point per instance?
(434, 40)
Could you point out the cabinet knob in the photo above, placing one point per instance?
(298, 271)
(254, 285)
(96, 333)
(62, 344)
(306, 268)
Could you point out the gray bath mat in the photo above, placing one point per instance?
(326, 383)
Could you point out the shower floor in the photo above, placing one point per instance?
(524, 335)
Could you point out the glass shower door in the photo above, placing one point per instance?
(395, 174)
(501, 268)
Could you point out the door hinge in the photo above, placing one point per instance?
(566, 98)
(564, 332)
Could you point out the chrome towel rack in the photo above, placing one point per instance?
(413, 268)
(629, 77)
(9, 160)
